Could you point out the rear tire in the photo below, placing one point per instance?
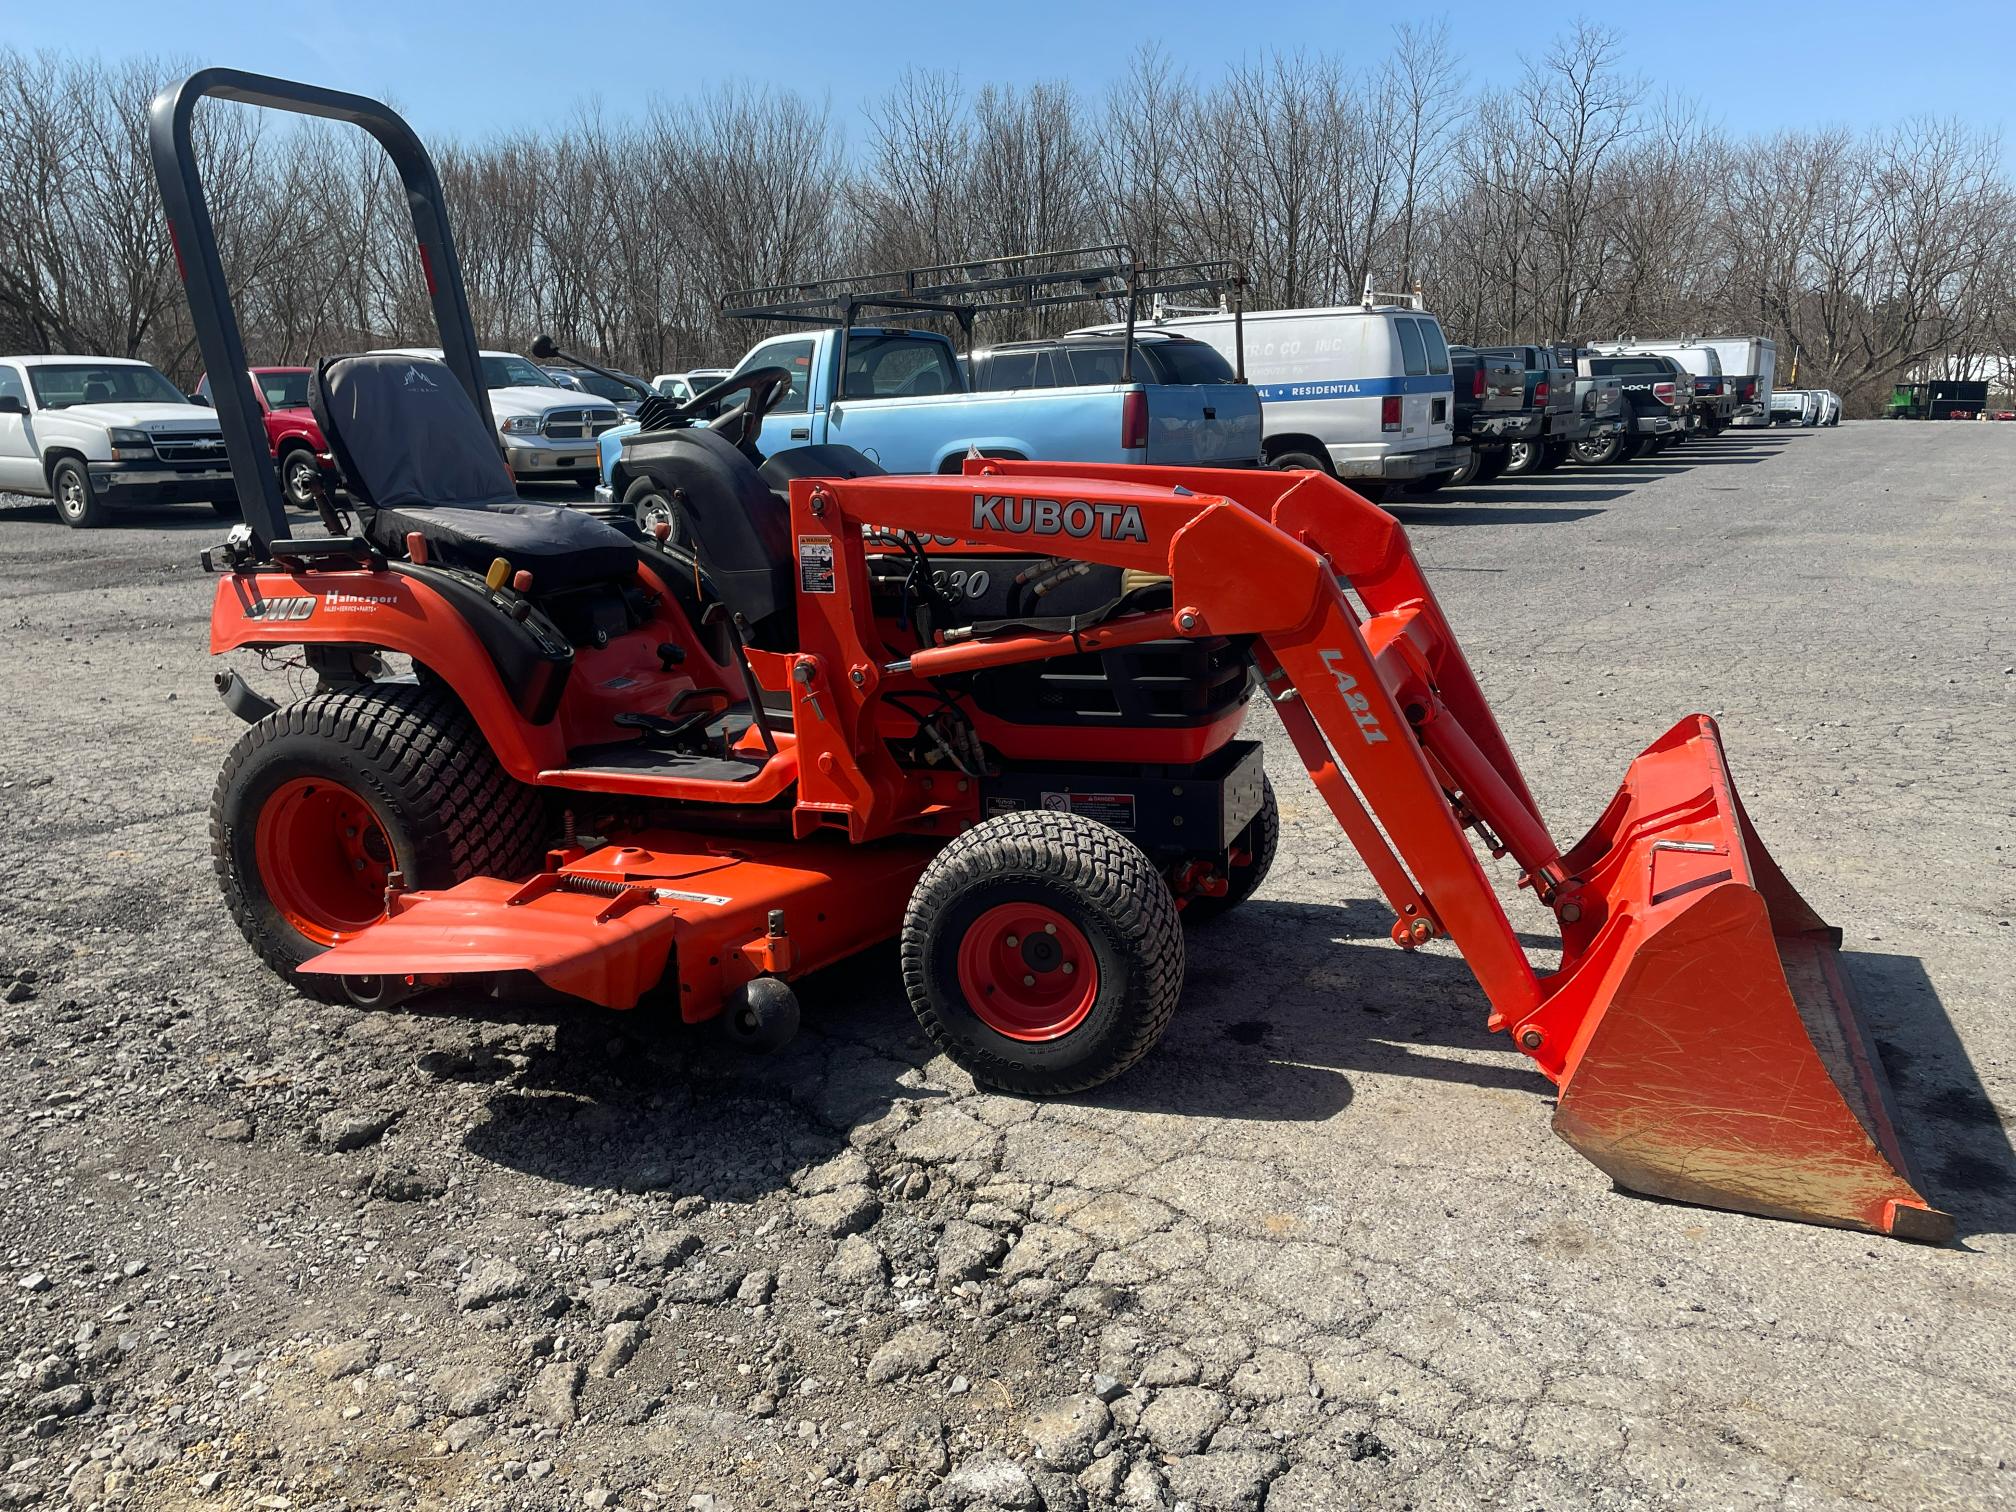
(1300, 461)
(300, 479)
(320, 800)
(1597, 451)
(1522, 457)
(1042, 953)
(1552, 455)
(1258, 841)
(77, 505)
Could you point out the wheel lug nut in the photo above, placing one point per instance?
(1069, 968)
(1050, 929)
(1013, 942)
(1028, 981)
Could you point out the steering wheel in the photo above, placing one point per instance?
(744, 423)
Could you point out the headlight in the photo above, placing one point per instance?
(131, 438)
(521, 425)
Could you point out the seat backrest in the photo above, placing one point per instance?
(405, 432)
(741, 530)
(97, 391)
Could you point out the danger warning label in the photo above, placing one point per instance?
(1114, 810)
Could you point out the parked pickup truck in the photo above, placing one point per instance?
(1602, 406)
(906, 406)
(548, 430)
(1489, 415)
(1716, 394)
(299, 452)
(1654, 406)
(96, 433)
(1549, 378)
(1749, 368)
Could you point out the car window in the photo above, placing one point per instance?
(795, 356)
(1412, 352)
(58, 384)
(1190, 362)
(1008, 370)
(1626, 367)
(604, 388)
(892, 367)
(11, 386)
(284, 390)
(1090, 364)
(1438, 349)
(514, 372)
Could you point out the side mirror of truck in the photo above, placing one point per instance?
(202, 399)
(543, 348)
(10, 404)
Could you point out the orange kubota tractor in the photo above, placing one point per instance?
(646, 774)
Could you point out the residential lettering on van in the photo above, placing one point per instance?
(1078, 517)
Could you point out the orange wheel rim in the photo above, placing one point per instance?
(1027, 972)
(323, 857)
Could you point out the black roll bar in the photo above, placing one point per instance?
(210, 309)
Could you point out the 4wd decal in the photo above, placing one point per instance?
(1078, 517)
(285, 607)
(1359, 705)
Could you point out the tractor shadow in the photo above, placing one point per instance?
(1955, 1136)
(1283, 1001)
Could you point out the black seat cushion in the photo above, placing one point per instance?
(817, 462)
(741, 529)
(560, 547)
(417, 456)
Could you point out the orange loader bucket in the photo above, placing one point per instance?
(1703, 1037)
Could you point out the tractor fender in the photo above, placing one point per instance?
(400, 610)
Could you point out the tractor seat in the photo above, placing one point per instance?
(417, 457)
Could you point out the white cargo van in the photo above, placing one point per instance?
(1751, 364)
(1359, 391)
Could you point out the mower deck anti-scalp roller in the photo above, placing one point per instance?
(644, 775)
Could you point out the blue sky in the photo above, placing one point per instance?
(456, 67)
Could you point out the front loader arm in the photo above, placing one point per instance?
(1234, 572)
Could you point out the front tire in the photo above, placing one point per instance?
(77, 504)
(321, 800)
(648, 506)
(1042, 953)
(301, 479)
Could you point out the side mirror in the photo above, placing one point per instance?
(10, 404)
(543, 348)
(202, 400)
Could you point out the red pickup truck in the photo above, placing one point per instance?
(298, 448)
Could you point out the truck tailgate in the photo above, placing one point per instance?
(1203, 424)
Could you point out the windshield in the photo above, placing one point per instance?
(61, 384)
(513, 372)
(284, 390)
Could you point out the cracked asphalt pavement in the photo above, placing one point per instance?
(1320, 1250)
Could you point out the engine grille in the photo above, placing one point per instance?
(190, 446)
(577, 424)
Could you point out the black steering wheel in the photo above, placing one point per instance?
(740, 426)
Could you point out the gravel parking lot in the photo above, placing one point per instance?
(1320, 1250)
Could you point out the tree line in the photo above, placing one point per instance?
(1573, 203)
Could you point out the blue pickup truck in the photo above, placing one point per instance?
(906, 404)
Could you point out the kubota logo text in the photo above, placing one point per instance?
(1359, 705)
(1110, 522)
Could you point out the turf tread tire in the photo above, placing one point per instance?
(412, 749)
(1122, 902)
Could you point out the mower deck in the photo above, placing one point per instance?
(608, 925)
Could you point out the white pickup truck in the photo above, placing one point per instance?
(96, 433)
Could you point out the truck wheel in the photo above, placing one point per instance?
(1521, 457)
(1552, 455)
(648, 505)
(1301, 461)
(300, 478)
(1042, 953)
(1432, 482)
(1491, 464)
(321, 800)
(77, 504)
(1256, 845)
